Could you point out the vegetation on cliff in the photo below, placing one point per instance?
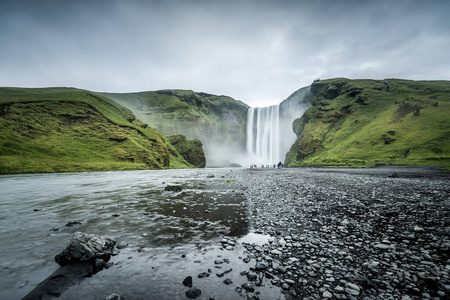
(190, 150)
(66, 129)
(218, 121)
(356, 123)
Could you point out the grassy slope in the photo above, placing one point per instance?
(361, 123)
(215, 120)
(171, 111)
(65, 129)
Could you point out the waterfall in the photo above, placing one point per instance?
(263, 135)
(269, 129)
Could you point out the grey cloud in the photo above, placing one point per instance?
(256, 51)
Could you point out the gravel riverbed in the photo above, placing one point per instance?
(349, 234)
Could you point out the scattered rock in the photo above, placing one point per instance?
(114, 296)
(203, 274)
(172, 187)
(336, 236)
(122, 245)
(193, 293)
(248, 287)
(188, 281)
(73, 223)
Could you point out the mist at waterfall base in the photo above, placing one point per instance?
(269, 134)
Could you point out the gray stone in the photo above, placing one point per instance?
(193, 293)
(352, 292)
(289, 281)
(248, 287)
(86, 247)
(382, 246)
(114, 296)
(122, 245)
(172, 187)
(188, 281)
(261, 265)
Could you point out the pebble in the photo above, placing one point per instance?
(193, 293)
(334, 232)
(122, 245)
(248, 287)
(114, 296)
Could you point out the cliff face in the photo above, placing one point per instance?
(373, 122)
(190, 150)
(64, 130)
(217, 121)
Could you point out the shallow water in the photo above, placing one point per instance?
(160, 227)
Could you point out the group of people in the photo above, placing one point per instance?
(279, 165)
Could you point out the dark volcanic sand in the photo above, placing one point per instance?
(353, 233)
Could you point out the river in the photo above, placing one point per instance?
(168, 233)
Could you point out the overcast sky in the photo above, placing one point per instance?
(259, 52)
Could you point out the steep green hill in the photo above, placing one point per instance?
(67, 129)
(218, 121)
(374, 122)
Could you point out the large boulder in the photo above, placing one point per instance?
(86, 247)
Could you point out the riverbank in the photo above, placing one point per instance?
(239, 233)
(353, 233)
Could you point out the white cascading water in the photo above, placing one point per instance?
(263, 135)
(269, 129)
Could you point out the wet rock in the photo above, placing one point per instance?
(188, 281)
(252, 276)
(203, 274)
(172, 187)
(227, 281)
(122, 245)
(261, 265)
(73, 223)
(193, 293)
(248, 287)
(382, 246)
(289, 281)
(114, 296)
(99, 264)
(86, 247)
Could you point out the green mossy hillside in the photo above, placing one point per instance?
(68, 130)
(218, 121)
(364, 123)
(190, 150)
